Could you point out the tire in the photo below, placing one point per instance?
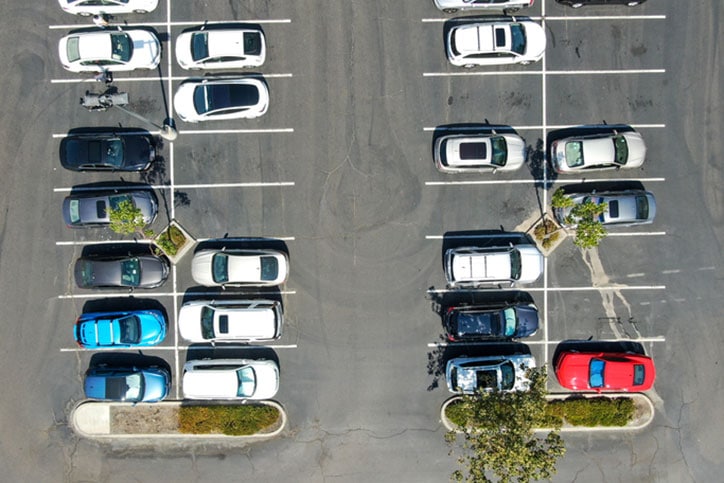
(469, 66)
(449, 10)
(632, 4)
(85, 14)
(576, 5)
(140, 11)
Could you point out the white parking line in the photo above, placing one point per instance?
(550, 289)
(184, 348)
(91, 80)
(550, 72)
(538, 181)
(236, 239)
(236, 131)
(532, 127)
(128, 294)
(659, 338)
(539, 18)
(98, 242)
(637, 233)
(176, 24)
(184, 186)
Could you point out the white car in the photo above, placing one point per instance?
(219, 99)
(230, 379)
(213, 268)
(86, 8)
(495, 43)
(509, 6)
(111, 50)
(513, 264)
(228, 48)
(623, 208)
(467, 375)
(472, 153)
(598, 151)
(230, 320)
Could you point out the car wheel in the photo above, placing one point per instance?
(632, 4)
(576, 5)
(85, 14)
(140, 11)
(509, 11)
(525, 62)
(449, 10)
(469, 66)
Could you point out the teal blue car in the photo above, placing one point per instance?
(109, 330)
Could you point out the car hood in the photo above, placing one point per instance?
(139, 152)
(189, 323)
(535, 40)
(531, 261)
(146, 48)
(153, 272)
(527, 321)
(572, 371)
(636, 149)
(201, 268)
(267, 380)
(183, 101)
(156, 385)
(516, 153)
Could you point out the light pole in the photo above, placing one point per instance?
(167, 131)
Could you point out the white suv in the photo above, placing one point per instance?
(230, 379)
(513, 264)
(230, 320)
(509, 6)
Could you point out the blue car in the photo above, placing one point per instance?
(102, 330)
(127, 384)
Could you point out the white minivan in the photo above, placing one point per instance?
(230, 320)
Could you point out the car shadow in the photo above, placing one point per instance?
(597, 346)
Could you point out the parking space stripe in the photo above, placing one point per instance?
(92, 80)
(521, 127)
(164, 294)
(185, 347)
(177, 24)
(537, 181)
(550, 289)
(237, 131)
(539, 18)
(550, 72)
(659, 338)
(637, 233)
(187, 186)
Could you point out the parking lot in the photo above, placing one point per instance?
(339, 173)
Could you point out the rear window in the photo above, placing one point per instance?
(199, 46)
(621, 148)
(72, 49)
(252, 43)
(269, 268)
(642, 208)
(639, 374)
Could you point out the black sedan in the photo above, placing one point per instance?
(107, 150)
(133, 271)
(471, 323)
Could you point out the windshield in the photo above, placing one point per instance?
(596, 372)
(134, 386)
(515, 266)
(207, 323)
(72, 49)
(507, 376)
(74, 211)
(510, 321)
(247, 381)
(269, 268)
(500, 151)
(621, 148)
(220, 268)
(131, 272)
(121, 47)
(642, 208)
(113, 153)
(639, 374)
(574, 153)
(517, 41)
(199, 46)
(130, 330)
(116, 200)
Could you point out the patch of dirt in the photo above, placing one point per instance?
(144, 419)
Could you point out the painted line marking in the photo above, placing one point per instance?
(534, 126)
(184, 347)
(501, 235)
(551, 289)
(671, 271)
(92, 80)
(176, 24)
(635, 275)
(659, 338)
(538, 18)
(549, 72)
(639, 233)
(185, 186)
(162, 294)
(537, 181)
(261, 238)
(236, 131)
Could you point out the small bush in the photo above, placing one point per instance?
(456, 414)
(599, 411)
(546, 232)
(237, 420)
(171, 240)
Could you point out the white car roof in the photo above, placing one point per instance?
(482, 266)
(598, 150)
(213, 384)
(241, 320)
(481, 38)
(226, 42)
(94, 45)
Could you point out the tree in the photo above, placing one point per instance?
(499, 436)
(127, 219)
(584, 216)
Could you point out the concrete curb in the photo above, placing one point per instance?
(92, 419)
(640, 399)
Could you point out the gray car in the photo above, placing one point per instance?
(92, 209)
(623, 208)
(133, 271)
(476, 153)
(468, 375)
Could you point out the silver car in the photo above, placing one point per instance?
(611, 150)
(467, 375)
(230, 320)
(474, 153)
(495, 43)
(92, 209)
(623, 208)
(509, 6)
(473, 266)
(214, 268)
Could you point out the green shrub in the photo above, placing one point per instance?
(455, 413)
(599, 411)
(546, 232)
(171, 240)
(236, 420)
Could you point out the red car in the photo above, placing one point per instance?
(605, 371)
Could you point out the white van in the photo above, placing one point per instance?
(230, 320)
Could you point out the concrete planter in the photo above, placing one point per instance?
(93, 419)
(643, 414)
(183, 249)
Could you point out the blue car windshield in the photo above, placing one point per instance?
(130, 330)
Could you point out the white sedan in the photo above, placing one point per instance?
(495, 43)
(228, 48)
(474, 153)
(86, 8)
(220, 99)
(214, 268)
(111, 50)
(611, 150)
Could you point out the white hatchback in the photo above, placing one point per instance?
(230, 320)
(228, 48)
(221, 99)
(230, 379)
(473, 153)
(86, 8)
(495, 43)
(111, 50)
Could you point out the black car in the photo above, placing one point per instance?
(134, 271)
(107, 150)
(581, 3)
(471, 323)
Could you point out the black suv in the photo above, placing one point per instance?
(472, 323)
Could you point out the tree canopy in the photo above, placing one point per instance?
(127, 219)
